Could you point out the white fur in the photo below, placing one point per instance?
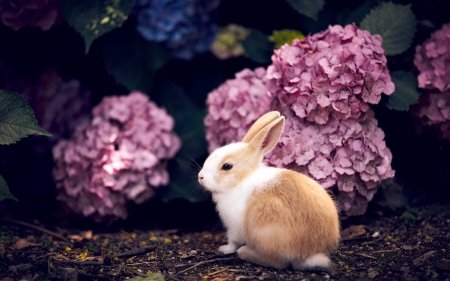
(231, 201)
(316, 260)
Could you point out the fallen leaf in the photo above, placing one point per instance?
(88, 235)
(22, 243)
(407, 248)
(423, 258)
(373, 273)
(353, 231)
(7, 279)
(76, 237)
(149, 277)
(443, 265)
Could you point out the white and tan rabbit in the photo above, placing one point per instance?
(274, 217)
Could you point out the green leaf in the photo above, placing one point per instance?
(189, 127)
(405, 93)
(93, 18)
(357, 15)
(16, 119)
(309, 8)
(131, 59)
(149, 277)
(285, 36)
(4, 191)
(258, 47)
(395, 23)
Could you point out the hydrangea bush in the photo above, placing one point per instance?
(185, 26)
(235, 106)
(120, 156)
(432, 58)
(227, 42)
(41, 14)
(59, 106)
(349, 156)
(336, 72)
(433, 111)
(323, 85)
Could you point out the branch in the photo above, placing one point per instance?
(202, 262)
(41, 229)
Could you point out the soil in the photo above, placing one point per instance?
(412, 244)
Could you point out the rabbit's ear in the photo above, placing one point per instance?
(267, 137)
(260, 124)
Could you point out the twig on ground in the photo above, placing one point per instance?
(57, 235)
(202, 262)
(76, 262)
(136, 252)
(367, 256)
(40, 257)
(385, 251)
(217, 272)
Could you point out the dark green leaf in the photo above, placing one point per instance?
(258, 47)
(281, 37)
(189, 127)
(395, 23)
(356, 15)
(132, 60)
(4, 191)
(16, 119)
(93, 18)
(405, 93)
(309, 8)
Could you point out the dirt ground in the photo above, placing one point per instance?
(412, 244)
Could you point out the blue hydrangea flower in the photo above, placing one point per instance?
(185, 26)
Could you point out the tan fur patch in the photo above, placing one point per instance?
(244, 164)
(293, 219)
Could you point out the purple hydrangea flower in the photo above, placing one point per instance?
(185, 26)
(235, 106)
(120, 156)
(349, 156)
(34, 13)
(432, 58)
(433, 111)
(336, 72)
(59, 106)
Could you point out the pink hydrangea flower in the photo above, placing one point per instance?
(34, 13)
(120, 156)
(433, 111)
(59, 106)
(336, 72)
(432, 58)
(349, 157)
(235, 106)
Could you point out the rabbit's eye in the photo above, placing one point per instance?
(227, 166)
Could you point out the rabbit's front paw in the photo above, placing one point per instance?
(227, 249)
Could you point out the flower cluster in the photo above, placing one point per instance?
(322, 85)
(433, 61)
(349, 156)
(433, 110)
(59, 106)
(235, 106)
(185, 26)
(120, 156)
(336, 72)
(227, 42)
(34, 13)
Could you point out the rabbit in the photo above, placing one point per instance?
(274, 217)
